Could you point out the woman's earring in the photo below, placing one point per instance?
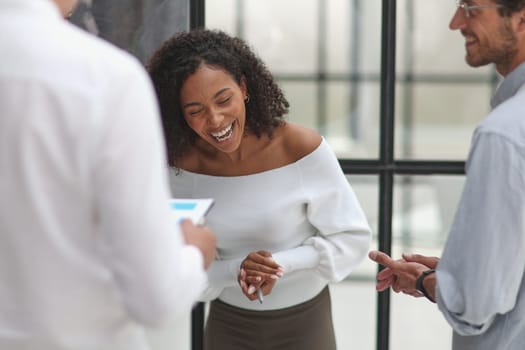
(246, 99)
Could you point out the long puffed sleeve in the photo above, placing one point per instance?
(343, 234)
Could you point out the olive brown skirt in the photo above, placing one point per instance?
(306, 326)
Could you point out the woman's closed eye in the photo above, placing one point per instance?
(224, 100)
(195, 112)
(195, 109)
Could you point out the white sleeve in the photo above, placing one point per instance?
(343, 237)
(478, 275)
(157, 275)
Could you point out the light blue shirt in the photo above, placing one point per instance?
(480, 287)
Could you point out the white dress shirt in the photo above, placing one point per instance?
(88, 251)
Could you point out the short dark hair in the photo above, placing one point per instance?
(510, 6)
(179, 57)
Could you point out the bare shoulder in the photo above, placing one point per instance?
(300, 141)
(189, 162)
(194, 157)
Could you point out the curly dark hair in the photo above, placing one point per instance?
(180, 56)
(510, 6)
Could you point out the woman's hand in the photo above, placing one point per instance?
(258, 270)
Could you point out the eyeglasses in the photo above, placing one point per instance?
(470, 9)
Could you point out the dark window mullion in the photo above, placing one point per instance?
(404, 167)
(386, 157)
(321, 66)
(197, 14)
(197, 20)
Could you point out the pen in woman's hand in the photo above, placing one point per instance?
(260, 295)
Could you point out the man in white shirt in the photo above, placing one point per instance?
(88, 251)
(479, 282)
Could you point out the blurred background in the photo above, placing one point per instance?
(403, 155)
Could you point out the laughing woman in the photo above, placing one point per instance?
(286, 219)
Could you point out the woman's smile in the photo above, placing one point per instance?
(223, 134)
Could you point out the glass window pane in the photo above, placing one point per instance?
(354, 314)
(351, 120)
(286, 44)
(354, 299)
(366, 189)
(438, 94)
(353, 36)
(439, 98)
(417, 323)
(222, 14)
(424, 208)
(303, 102)
(425, 44)
(324, 58)
(436, 121)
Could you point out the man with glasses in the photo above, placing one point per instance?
(479, 282)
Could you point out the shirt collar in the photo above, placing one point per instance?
(509, 86)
